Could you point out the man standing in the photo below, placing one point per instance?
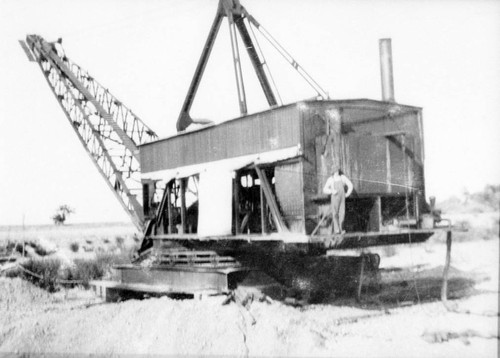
(335, 185)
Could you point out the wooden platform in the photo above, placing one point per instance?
(169, 280)
(346, 241)
(114, 291)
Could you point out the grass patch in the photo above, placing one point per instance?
(32, 245)
(48, 273)
(14, 272)
(7, 247)
(86, 270)
(39, 248)
(44, 272)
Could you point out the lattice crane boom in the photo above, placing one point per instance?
(108, 130)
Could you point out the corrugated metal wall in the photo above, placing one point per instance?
(380, 153)
(369, 146)
(279, 128)
(385, 156)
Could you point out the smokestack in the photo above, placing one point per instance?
(386, 70)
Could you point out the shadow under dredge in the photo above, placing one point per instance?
(378, 292)
(335, 281)
(401, 287)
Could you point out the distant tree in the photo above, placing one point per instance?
(61, 214)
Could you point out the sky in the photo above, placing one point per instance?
(446, 57)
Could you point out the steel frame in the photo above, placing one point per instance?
(241, 21)
(109, 131)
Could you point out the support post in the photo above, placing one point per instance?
(388, 166)
(169, 209)
(236, 196)
(278, 220)
(361, 276)
(262, 211)
(444, 287)
(376, 215)
(159, 214)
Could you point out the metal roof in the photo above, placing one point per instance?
(361, 103)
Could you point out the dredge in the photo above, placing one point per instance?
(252, 184)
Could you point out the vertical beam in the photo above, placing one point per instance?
(160, 212)
(146, 199)
(416, 204)
(183, 205)
(334, 136)
(170, 214)
(375, 218)
(362, 264)
(236, 197)
(407, 175)
(388, 165)
(262, 211)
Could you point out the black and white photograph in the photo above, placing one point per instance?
(249, 178)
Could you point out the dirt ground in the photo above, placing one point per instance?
(403, 319)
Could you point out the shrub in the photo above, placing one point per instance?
(46, 271)
(107, 260)
(86, 270)
(19, 247)
(7, 247)
(10, 246)
(13, 272)
(74, 246)
(39, 249)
